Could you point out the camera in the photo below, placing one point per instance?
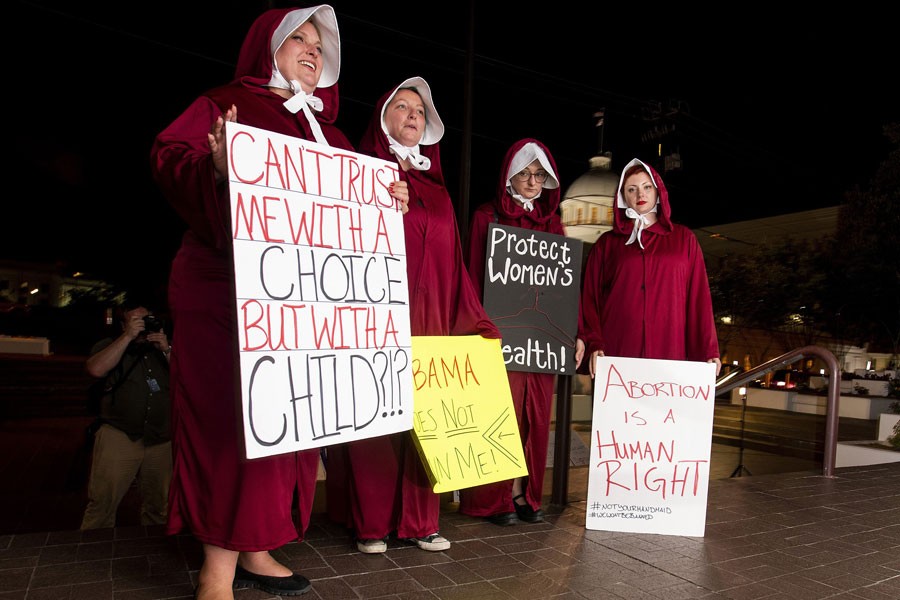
(152, 323)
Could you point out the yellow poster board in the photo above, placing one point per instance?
(464, 423)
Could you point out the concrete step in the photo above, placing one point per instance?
(43, 386)
(783, 432)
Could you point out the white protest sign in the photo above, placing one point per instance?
(650, 446)
(321, 293)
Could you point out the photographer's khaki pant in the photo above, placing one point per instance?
(116, 462)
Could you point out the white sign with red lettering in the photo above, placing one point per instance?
(650, 446)
(321, 294)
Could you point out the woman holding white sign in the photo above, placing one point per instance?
(645, 292)
(286, 82)
(390, 490)
(527, 196)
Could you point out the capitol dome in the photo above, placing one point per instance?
(588, 203)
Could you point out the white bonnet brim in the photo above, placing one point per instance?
(324, 19)
(434, 127)
(526, 155)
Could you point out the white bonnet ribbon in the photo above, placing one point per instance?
(640, 222)
(301, 101)
(528, 205)
(410, 153)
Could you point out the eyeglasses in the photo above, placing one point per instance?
(539, 176)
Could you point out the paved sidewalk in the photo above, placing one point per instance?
(795, 535)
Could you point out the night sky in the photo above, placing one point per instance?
(770, 114)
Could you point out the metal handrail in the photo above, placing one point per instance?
(560, 489)
(832, 416)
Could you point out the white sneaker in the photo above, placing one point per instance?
(433, 543)
(371, 546)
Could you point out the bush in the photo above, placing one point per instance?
(894, 438)
(894, 390)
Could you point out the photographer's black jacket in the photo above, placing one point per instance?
(131, 405)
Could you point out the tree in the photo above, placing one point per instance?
(863, 290)
(776, 287)
(846, 286)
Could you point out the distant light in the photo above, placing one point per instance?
(734, 362)
(780, 383)
(821, 371)
(726, 320)
(868, 365)
(77, 274)
(33, 292)
(742, 391)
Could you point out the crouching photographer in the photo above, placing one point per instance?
(133, 438)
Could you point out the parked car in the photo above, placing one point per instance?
(785, 379)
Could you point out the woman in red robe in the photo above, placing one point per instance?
(645, 293)
(389, 488)
(239, 509)
(527, 196)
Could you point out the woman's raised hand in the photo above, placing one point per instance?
(216, 138)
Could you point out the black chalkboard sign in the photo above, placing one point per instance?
(532, 286)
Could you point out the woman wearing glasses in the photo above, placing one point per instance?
(527, 196)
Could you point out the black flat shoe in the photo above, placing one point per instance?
(503, 519)
(291, 585)
(526, 513)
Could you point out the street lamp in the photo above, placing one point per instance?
(741, 469)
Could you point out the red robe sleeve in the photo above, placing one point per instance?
(183, 168)
(701, 340)
(589, 328)
(477, 250)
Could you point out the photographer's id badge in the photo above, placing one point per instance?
(154, 386)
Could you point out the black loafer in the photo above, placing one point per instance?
(502, 519)
(528, 514)
(292, 585)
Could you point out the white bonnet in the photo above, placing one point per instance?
(324, 19)
(526, 155)
(434, 127)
